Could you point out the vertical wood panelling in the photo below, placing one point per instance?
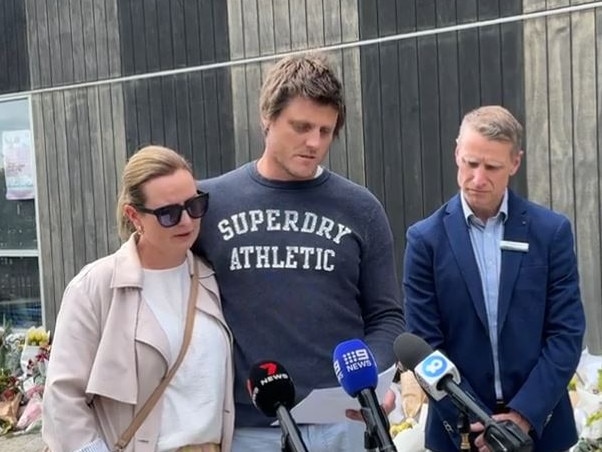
(32, 42)
(77, 195)
(594, 319)
(117, 109)
(212, 135)
(586, 168)
(111, 154)
(4, 38)
(72, 41)
(44, 46)
(560, 115)
(56, 66)
(90, 39)
(55, 270)
(51, 302)
(77, 38)
(65, 42)
(82, 110)
(239, 83)
(469, 64)
(512, 69)
(100, 27)
(96, 174)
(562, 73)
(405, 100)
(14, 65)
(409, 124)
(299, 25)
(490, 62)
(79, 136)
(415, 102)
(354, 133)
(372, 105)
(63, 182)
(73, 175)
(537, 127)
(449, 99)
(190, 113)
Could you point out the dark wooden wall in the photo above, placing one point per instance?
(415, 92)
(78, 134)
(190, 112)
(80, 153)
(14, 64)
(84, 135)
(72, 41)
(405, 102)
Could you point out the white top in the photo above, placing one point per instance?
(193, 402)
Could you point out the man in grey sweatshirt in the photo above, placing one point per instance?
(304, 257)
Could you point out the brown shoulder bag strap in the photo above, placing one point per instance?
(127, 435)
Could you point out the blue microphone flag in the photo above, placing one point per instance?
(355, 366)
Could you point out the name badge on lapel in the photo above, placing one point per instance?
(509, 245)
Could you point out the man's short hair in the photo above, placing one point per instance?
(309, 76)
(495, 123)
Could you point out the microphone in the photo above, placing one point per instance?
(439, 377)
(430, 367)
(356, 370)
(273, 393)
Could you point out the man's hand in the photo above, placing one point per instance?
(513, 416)
(388, 405)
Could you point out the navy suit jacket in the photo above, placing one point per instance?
(540, 318)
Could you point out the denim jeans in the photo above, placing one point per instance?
(343, 437)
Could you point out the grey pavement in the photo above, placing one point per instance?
(31, 442)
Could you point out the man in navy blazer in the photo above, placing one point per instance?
(491, 280)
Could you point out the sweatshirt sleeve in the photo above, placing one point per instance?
(380, 299)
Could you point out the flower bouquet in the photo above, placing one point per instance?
(10, 385)
(34, 339)
(586, 391)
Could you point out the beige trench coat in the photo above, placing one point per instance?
(109, 354)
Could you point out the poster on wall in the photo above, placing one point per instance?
(18, 164)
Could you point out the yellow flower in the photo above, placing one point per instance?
(37, 336)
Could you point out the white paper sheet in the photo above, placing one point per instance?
(324, 406)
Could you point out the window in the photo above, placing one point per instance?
(20, 301)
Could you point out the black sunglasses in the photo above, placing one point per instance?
(169, 216)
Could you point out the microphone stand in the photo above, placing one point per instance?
(291, 440)
(503, 436)
(285, 445)
(372, 442)
(464, 429)
(369, 442)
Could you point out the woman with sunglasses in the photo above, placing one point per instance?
(121, 328)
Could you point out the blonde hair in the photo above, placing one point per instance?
(146, 164)
(495, 123)
(309, 76)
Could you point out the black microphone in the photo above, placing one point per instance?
(439, 377)
(273, 393)
(356, 370)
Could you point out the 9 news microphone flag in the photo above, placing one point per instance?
(356, 370)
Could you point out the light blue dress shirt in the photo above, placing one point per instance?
(485, 239)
